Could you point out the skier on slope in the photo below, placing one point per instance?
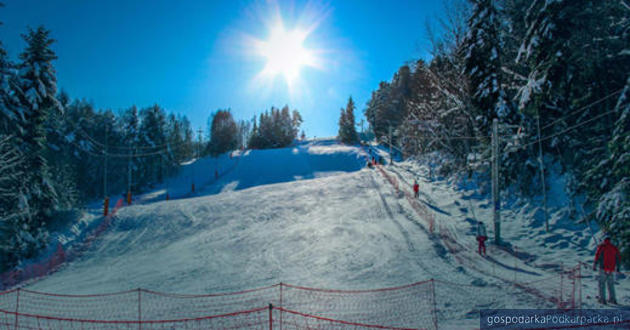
(607, 257)
(416, 188)
(482, 236)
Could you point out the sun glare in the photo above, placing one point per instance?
(285, 50)
(285, 53)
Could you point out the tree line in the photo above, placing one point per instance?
(54, 150)
(556, 76)
(57, 153)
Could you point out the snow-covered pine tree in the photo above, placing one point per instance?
(573, 53)
(14, 211)
(483, 65)
(11, 112)
(377, 108)
(60, 154)
(347, 130)
(38, 89)
(612, 175)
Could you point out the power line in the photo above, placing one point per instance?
(85, 134)
(560, 133)
(582, 108)
(570, 128)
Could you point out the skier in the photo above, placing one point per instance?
(607, 256)
(481, 237)
(416, 189)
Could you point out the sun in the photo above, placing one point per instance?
(285, 53)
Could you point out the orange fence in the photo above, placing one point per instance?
(281, 305)
(563, 290)
(52, 259)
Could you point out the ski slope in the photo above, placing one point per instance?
(309, 215)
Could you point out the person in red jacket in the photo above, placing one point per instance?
(607, 258)
(482, 236)
(416, 188)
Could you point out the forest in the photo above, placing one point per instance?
(58, 153)
(556, 76)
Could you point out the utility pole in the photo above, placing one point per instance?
(199, 145)
(542, 173)
(391, 157)
(129, 173)
(495, 181)
(198, 156)
(106, 198)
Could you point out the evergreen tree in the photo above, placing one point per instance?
(130, 123)
(15, 242)
(187, 148)
(342, 124)
(483, 65)
(38, 88)
(277, 128)
(11, 112)
(610, 179)
(59, 153)
(347, 130)
(153, 139)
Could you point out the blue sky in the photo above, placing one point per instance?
(193, 57)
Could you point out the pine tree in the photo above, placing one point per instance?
(483, 65)
(11, 113)
(341, 135)
(38, 88)
(13, 213)
(130, 124)
(153, 141)
(276, 128)
(610, 179)
(347, 130)
(188, 143)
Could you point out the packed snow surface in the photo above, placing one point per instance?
(313, 215)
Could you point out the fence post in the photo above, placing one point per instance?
(17, 307)
(574, 285)
(435, 319)
(561, 284)
(281, 305)
(270, 316)
(139, 308)
(580, 284)
(496, 193)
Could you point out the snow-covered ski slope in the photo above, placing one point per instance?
(309, 215)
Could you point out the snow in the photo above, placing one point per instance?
(312, 215)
